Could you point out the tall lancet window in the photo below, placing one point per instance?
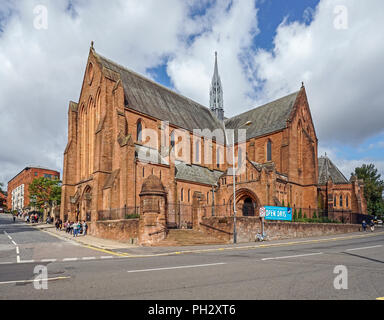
(269, 150)
(240, 158)
(197, 152)
(139, 131)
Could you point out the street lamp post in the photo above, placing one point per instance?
(234, 179)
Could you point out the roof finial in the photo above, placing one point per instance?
(92, 44)
(302, 84)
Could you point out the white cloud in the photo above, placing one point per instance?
(343, 69)
(229, 30)
(42, 70)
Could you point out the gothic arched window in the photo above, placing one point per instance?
(139, 135)
(218, 158)
(182, 195)
(240, 157)
(173, 142)
(197, 151)
(341, 200)
(269, 150)
(347, 202)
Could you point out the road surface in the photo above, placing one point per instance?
(297, 269)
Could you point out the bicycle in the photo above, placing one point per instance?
(261, 237)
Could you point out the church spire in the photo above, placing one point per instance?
(216, 94)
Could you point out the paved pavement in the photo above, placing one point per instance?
(298, 269)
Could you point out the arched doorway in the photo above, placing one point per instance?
(248, 208)
(247, 203)
(86, 205)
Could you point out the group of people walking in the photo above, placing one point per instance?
(74, 228)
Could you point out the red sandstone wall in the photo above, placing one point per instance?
(121, 230)
(248, 227)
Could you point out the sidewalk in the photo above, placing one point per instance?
(129, 249)
(87, 240)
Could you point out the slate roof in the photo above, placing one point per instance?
(195, 173)
(149, 155)
(266, 119)
(328, 169)
(153, 99)
(148, 97)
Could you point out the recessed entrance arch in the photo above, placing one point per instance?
(247, 203)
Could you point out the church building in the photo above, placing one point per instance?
(126, 128)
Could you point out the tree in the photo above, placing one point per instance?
(373, 188)
(45, 191)
(1, 187)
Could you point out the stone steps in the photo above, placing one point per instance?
(178, 237)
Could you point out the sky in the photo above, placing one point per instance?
(266, 48)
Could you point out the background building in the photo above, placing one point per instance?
(18, 193)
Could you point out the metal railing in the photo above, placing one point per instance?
(298, 214)
(119, 214)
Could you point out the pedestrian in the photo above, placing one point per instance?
(85, 226)
(76, 227)
(14, 218)
(364, 225)
(372, 225)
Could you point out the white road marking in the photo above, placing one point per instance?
(6, 262)
(70, 259)
(18, 259)
(48, 260)
(14, 243)
(296, 256)
(363, 248)
(181, 267)
(106, 257)
(30, 281)
(88, 258)
(27, 261)
(17, 250)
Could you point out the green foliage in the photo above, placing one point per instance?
(283, 204)
(314, 215)
(300, 216)
(132, 216)
(45, 191)
(1, 187)
(295, 215)
(373, 188)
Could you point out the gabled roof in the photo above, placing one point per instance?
(195, 173)
(148, 97)
(327, 169)
(266, 119)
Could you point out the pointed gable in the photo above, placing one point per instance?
(266, 119)
(328, 170)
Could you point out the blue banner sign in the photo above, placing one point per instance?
(278, 213)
